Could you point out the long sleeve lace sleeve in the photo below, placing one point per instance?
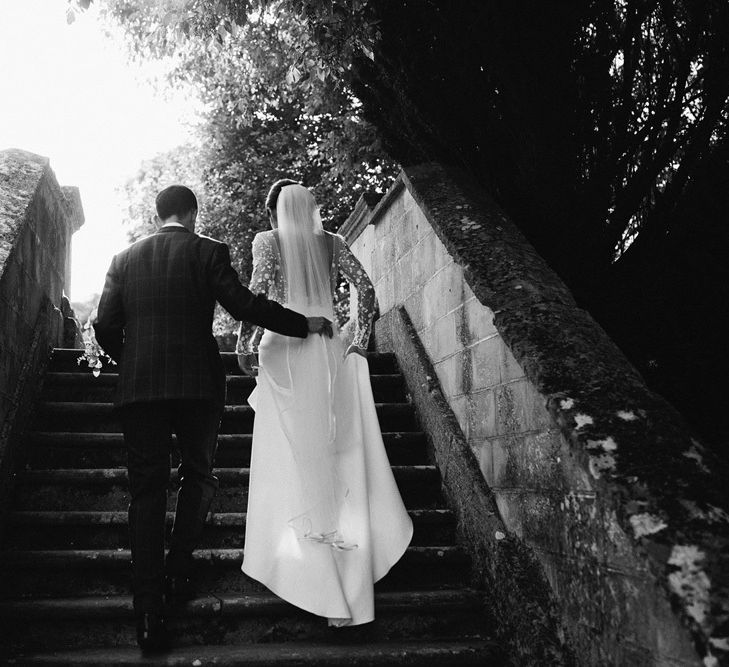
(353, 271)
(262, 280)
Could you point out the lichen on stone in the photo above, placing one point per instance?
(694, 453)
(689, 581)
(646, 524)
(468, 225)
(627, 415)
(722, 643)
(567, 403)
(583, 420)
(606, 444)
(600, 464)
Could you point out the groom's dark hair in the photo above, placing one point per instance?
(175, 200)
(273, 193)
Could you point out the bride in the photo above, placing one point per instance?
(325, 519)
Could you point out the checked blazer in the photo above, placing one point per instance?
(155, 316)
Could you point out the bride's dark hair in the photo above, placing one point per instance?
(273, 193)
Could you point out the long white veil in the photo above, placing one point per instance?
(304, 255)
(303, 374)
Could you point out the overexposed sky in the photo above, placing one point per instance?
(68, 93)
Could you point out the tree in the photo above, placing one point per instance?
(601, 127)
(266, 117)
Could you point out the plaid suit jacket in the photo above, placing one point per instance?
(155, 316)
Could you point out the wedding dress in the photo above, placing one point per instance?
(325, 519)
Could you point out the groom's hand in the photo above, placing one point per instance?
(320, 325)
(248, 363)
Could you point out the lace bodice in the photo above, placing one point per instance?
(268, 278)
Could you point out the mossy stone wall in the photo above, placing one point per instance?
(600, 478)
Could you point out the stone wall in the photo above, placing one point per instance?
(37, 221)
(624, 510)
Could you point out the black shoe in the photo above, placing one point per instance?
(179, 589)
(152, 635)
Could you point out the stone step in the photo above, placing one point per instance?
(65, 360)
(236, 619)
(109, 530)
(58, 449)
(83, 386)
(94, 572)
(107, 489)
(338, 651)
(84, 417)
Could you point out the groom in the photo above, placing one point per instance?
(155, 320)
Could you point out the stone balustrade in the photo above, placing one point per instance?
(37, 221)
(624, 512)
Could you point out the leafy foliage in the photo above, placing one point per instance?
(270, 112)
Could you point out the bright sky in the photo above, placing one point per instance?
(68, 93)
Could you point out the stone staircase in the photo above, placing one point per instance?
(64, 588)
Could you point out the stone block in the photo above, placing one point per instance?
(629, 613)
(423, 259)
(399, 237)
(414, 307)
(453, 285)
(530, 406)
(533, 461)
(537, 518)
(498, 453)
(406, 235)
(398, 205)
(431, 312)
(384, 224)
(426, 339)
(442, 293)
(509, 417)
(408, 202)
(443, 341)
(478, 319)
(484, 456)
(441, 255)
(364, 250)
(421, 226)
(385, 291)
(503, 460)
(386, 247)
(486, 363)
(464, 370)
(510, 368)
(461, 406)
(404, 278)
(482, 419)
(378, 267)
(447, 370)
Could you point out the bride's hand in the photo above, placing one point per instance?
(320, 325)
(248, 363)
(356, 350)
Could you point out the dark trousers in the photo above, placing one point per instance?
(148, 429)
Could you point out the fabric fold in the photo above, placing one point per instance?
(325, 517)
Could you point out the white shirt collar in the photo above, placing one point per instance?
(172, 224)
